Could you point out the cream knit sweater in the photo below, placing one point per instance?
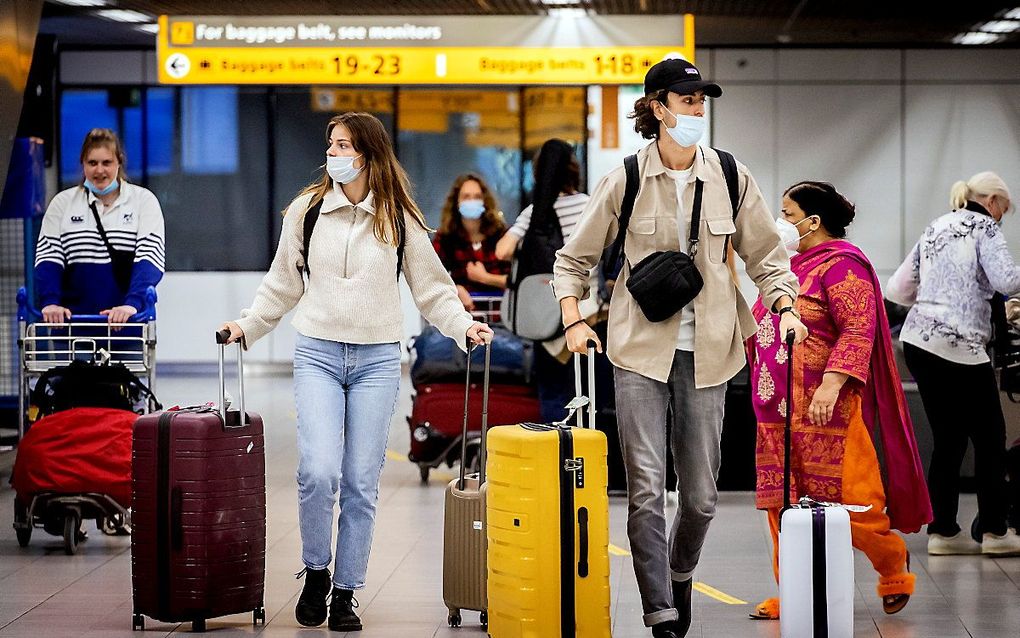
(351, 295)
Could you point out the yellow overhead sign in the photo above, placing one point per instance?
(268, 57)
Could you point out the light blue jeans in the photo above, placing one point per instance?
(345, 395)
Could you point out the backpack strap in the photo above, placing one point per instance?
(630, 165)
(401, 240)
(311, 216)
(729, 169)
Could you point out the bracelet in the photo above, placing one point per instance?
(579, 321)
(789, 309)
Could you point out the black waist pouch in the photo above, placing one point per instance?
(663, 283)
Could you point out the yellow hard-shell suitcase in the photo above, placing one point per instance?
(547, 516)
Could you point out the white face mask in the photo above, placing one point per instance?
(687, 130)
(790, 234)
(341, 169)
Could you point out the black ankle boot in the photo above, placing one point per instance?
(667, 629)
(341, 611)
(682, 602)
(311, 605)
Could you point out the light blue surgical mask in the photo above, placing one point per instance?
(687, 130)
(99, 192)
(471, 208)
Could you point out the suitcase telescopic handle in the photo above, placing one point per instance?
(221, 340)
(487, 342)
(578, 390)
(787, 434)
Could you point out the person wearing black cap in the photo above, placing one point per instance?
(684, 360)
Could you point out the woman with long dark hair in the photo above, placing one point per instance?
(347, 358)
(555, 210)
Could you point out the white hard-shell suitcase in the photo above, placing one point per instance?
(816, 563)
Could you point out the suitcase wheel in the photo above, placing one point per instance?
(137, 623)
(484, 619)
(259, 615)
(424, 471)
(454, 619)
(198, 626)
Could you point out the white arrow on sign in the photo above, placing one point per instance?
(177, 65)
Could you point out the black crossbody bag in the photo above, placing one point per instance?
(123, 261)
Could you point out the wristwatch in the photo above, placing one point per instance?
(789, 309)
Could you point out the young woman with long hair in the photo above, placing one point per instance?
(347, 358)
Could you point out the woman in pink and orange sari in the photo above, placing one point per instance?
(846, 394)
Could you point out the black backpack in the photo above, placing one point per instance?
(83, 384)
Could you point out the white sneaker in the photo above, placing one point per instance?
(939, 545)
(1006, 545)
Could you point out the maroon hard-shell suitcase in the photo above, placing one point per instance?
(437, 418)
(198, 543)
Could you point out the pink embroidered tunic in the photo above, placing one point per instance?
(839, 302)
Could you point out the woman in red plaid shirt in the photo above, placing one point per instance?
(470, 227)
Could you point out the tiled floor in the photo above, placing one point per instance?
(44, 593)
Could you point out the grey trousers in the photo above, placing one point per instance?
(642, 408)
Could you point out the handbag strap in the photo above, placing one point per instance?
(102, 231)
(692, 243)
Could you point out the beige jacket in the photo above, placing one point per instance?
(723, 319)
(352, 294)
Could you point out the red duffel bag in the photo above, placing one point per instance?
(75, 451)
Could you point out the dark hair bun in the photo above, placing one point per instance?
(822, 199)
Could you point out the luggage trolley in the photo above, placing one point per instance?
(44, 346)
(436, 418)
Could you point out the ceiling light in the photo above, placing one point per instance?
(567, 13)
(1000, 26)
(82, 3)
(149, 28)
(976, 37)
(1013, 14)
(124, 15)
(559, 2)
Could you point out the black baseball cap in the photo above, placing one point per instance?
(679, 76)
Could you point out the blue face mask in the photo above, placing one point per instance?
(99, 192)
(471, 208)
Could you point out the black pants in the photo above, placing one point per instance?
(962, 402)
(555, 383)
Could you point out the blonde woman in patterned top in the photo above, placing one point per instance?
(844, 383)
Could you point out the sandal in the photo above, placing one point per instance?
(766, 610)
(893, 603)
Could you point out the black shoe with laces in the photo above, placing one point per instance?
(311, 605)
(341, 611)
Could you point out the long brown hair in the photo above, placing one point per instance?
(387, 179)
(105, 137)
(492, 220)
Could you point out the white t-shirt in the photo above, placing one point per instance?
(685, 338)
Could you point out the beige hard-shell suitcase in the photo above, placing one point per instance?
(464, 547)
